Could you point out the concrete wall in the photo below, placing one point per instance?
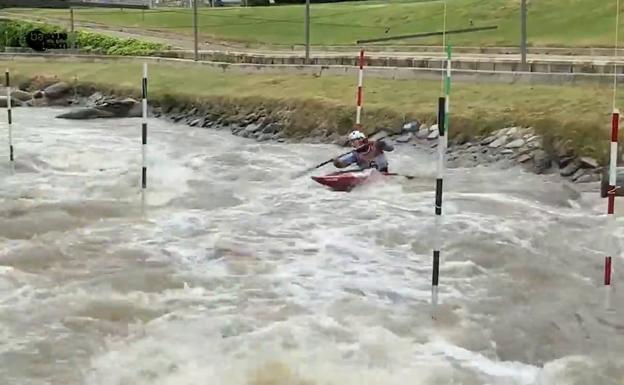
(459, 75)
(477, 64)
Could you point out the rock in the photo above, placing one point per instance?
(588, 162)
(588, 178)
(207, 123)
(252, 128)
(524, 158)
(531, 138)
(541, 161)
(95, 98)
(513, 132)
(264, 137)
(434, 145)
(498, 142)
(506, 152)
(57, 90)
(433, 135)
(271, 128)
(122, 108)
(433, 128)
(38, 95)
(488, 140)
(20, 95)
(579, 173)
(523, 150)
(515, 144)
(535, 144)
(570, 169)
(565, 161)
(404, 138)
(423, 133)
(484, 150)
(86, 113)
(195, 122)
(411, 127)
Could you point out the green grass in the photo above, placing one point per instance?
(578, 113)
(564, 23)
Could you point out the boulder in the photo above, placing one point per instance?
(541, 161)
(271, 128)
(433, 135)
(123, 108)
(20, 95)
(404, 138)
(524, 158)
(579, 173)
(488, 140)
(86, 113)
(195, 123)
(515, 143)
(423, 133)
(57, 90)
(513, 132)
(587, 162)
(588, 178)
(411, 127)
(570, 169)
(499, 141)
(95, 98)
(252, 128)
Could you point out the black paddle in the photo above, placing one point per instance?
(297, 175)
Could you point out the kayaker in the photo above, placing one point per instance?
(367, 153)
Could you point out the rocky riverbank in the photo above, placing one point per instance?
(507, 146)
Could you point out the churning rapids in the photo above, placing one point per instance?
(236, 274)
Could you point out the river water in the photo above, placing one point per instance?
(236, 274)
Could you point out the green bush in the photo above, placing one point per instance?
(13, 34)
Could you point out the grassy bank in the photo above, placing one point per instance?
(580, 114)
(564, 23)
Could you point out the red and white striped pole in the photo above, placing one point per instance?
(615, 123)
(358, 114)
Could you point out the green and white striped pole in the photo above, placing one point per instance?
(443, 125)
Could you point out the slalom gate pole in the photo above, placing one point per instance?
(612, 189)
(144, 135)
(444, 107)
(608, 265)
(358, 113)
(10, 119)
(438, 201)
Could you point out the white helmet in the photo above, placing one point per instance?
(355, 135)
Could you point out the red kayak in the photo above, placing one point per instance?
(347, 180)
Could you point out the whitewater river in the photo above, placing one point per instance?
(236, 274)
